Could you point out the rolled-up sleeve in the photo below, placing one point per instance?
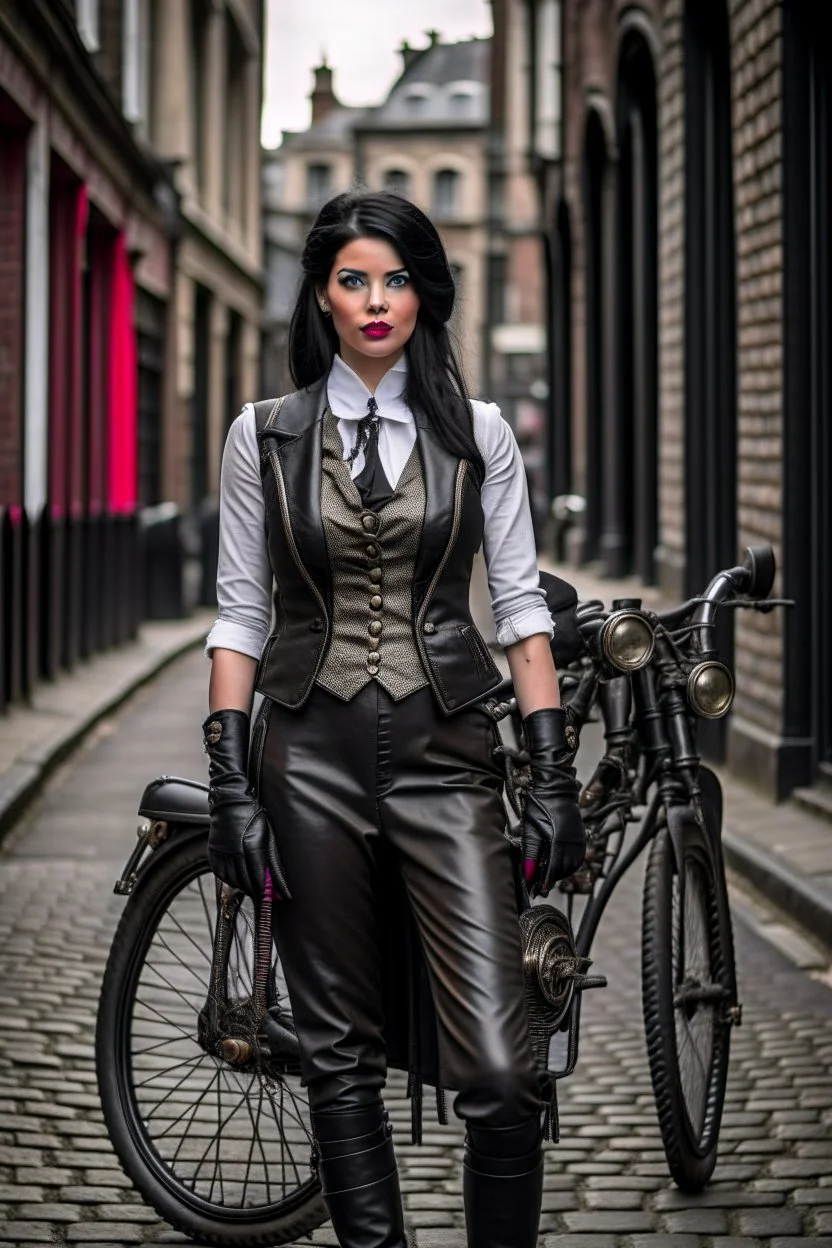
(518, 602)
(244, 576)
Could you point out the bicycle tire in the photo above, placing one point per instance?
(148, 918)
(686, 1006)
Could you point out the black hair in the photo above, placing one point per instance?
(435, 385)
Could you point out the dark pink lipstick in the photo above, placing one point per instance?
(377, 329)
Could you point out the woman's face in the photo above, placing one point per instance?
(372, 301)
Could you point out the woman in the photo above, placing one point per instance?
(364, 497)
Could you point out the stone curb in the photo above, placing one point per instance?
(796, 895)
(24, 779)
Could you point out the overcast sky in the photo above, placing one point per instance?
(360, 39)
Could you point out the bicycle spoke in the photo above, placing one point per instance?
(174, 989)
(159, 1074)
(189, 1035)
(260, 1144)
(193, 1110)
(167, 1096)
(222, 1123)
(151, 1048)
(203, 953)
(209, 917)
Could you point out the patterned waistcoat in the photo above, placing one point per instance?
(371, 559)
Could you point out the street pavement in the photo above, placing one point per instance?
(607, 1185)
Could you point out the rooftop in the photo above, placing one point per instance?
(445, 84)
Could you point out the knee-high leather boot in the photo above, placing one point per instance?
(359, 1178)
(502, 1186)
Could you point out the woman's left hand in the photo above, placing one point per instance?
(552, 832)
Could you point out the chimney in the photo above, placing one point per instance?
(409, 54)
(323, 96)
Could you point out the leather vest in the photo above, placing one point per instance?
(453, 654)
(372, 572)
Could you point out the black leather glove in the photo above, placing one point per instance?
(552, 833)
(241, 845)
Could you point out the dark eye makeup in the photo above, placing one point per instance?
(352, 279)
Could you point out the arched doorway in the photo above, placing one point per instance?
(807, 417)
(637, 338)
(710, 314)
(595, 175)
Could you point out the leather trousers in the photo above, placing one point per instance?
(337, 778)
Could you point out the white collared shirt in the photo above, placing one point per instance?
(348, 397)
(244, 576)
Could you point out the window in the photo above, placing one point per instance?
(150, 343)
(446, 193)
(87, 20)
(548, 81)
(233, 365)
(416, 101)
(198, 91)
(236, 134)
(497, 272)
(134, 52)
(397, 181)
(462, 103)
(318, 184)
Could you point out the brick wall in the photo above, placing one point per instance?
(757, 90)
(590, 53)
(12, 238)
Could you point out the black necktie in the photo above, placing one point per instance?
(371, 482)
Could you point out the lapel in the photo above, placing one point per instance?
(439, 467)
(297, 432)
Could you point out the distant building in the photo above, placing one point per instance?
(130, 295)
(426, 141)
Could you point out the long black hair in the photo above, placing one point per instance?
(435, 384)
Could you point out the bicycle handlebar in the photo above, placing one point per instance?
(753, 577)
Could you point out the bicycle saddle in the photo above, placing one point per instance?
(175, 800)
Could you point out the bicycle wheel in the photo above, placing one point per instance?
(222, 1151)
(688, 991)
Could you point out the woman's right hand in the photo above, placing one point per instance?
(242, 850)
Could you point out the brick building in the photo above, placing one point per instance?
(685, 210)
(516, 370)
(130, 297)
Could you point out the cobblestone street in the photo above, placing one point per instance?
(607, 1184)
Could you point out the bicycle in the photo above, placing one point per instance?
(197, 1058)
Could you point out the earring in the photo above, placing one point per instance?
(324, 306)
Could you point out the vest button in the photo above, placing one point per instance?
(374, 657)
(373, 551)
(375, 575)
(316, 626)
(370, 522)
(374, 628)
(375, 602)
(429, 628)
(372, 669)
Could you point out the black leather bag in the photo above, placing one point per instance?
(562, 601)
